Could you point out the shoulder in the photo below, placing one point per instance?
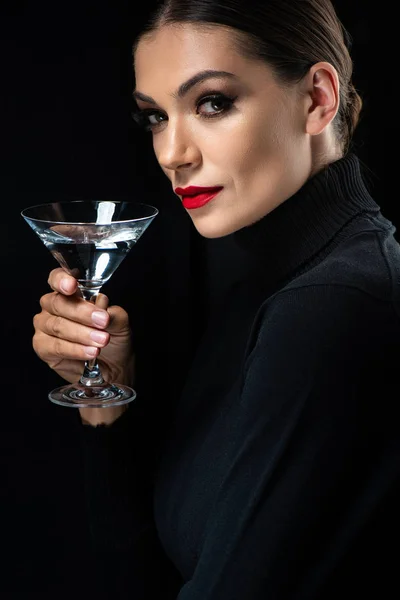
(316, 307)
(347, 303)
(358, 282)
(368, 260)
(319, 323)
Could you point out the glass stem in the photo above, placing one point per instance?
(91, 373)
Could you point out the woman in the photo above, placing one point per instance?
(274, 474)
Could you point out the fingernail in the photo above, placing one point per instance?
(98, 336)
(90, 351)
(67, 285)
(99, 318)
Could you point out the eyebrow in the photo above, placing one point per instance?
(187, 85)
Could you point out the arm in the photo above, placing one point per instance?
(117, 451)
(118, 466)
(64, 339)
(309, 466)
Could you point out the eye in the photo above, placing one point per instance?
(215, 105)
(148, 119)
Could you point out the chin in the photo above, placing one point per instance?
(214, 230)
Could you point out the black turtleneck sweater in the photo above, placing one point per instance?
(275, 474)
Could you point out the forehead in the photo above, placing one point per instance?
(176, 52)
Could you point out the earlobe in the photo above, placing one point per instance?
(324, 95)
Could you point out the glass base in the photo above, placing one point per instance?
(100, 396)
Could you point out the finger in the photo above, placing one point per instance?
(119, 321)
(75, 309)
(70, 370)
(53, 350)
(60, 281)
(64, 329)
(101, 301)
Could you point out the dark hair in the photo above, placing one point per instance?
(290, 35)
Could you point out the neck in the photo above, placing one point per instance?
(324, 151)
(307, 222)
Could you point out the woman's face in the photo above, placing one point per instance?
(240, 130)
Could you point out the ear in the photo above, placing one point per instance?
(322, 83)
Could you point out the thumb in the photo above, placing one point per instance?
(102, 301)
(119, 319)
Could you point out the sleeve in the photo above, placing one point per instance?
(118, 465)
(308, 469)
(119, 461)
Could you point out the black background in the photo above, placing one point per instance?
(66, 133)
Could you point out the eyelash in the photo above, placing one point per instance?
(141, 117)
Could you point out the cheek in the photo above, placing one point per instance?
(266, 142)
(236, 146)
(157, 149)
(253, 147)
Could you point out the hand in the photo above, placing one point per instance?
(66, 335)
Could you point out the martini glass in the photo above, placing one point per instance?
(90, 239)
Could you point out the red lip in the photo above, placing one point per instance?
(193, 190)
(195, 197)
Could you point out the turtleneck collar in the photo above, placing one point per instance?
(298, 229)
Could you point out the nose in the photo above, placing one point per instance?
(176, 148)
